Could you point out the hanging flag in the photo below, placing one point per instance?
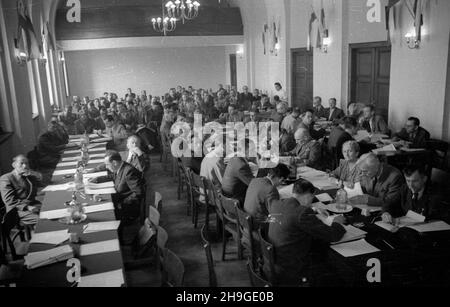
(390, 14)
(26, 31)
(418, 22)
(311, 22)
(51, 40)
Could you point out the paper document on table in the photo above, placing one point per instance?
(55, 255)
(99, 186)
(102, 226)
(325, 197)
(104, 280)
(410, 219)
(99, 248)
(286, 191)
(362, 135)
(54, 214)
(413, 149)
(312, 174)
(385, 149)
(60, 187)
(97, 145)
(62, 172)
(324, 183)
(105, 191)
(95, 175)
(356, 191)
(71, 152)
(77, 158)
(366, 210)
(352, 234)
(355, 248)
(431, 227)
(53, 238)
(99, 208)
(102, 140)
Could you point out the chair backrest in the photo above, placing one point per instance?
(440, 149)
(158, 201)
(245, 222)
(162, 238)
(213, 196)
(197, 183)
(144, 240)
(256, 280)
(268, 253)
(10, 221)
(154, 215)
(228, 208)
(172, 269)
(209, 257)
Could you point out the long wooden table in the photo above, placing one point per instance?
(55, 275)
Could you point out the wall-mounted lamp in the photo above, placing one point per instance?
(240, 52)
(326, 41)
(412, 41)
(61, 57)
(277, 47)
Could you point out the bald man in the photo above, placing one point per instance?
(18, 190)
(381, 183)
(308, 150)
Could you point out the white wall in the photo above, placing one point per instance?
(155, 70)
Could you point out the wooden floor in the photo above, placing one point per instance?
(185, 241)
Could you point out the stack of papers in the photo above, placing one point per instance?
(356, 191)
(40, 259)
(103, 226)
(95, 175)
(99, 208)
(52, 238)
(71, 152)
(352, 234)
(355, 248)
(99, 248)
(431, 227)
(103, 191)
(97, 145)
(64, 172)
(105, 280)
(319, 179)
(385, 150)
(60, 187)
(362, 135)
(410, 219)
(78, 158)
(99, 186)
(54, 214)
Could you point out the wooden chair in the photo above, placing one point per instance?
(268, 254)
(246, 231)
(214, 203)
(158, 202)
(199, 197)
(256, 280)
(154, 216)
(161, 243)
(440, 153)
(230, 224)
(172, 269)
(182, 180)
(11, 221)
(10, 272)
(186, 176)
(209, 257)
(144, 241)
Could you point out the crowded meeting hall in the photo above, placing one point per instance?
(224, 143)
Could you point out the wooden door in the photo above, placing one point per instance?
(302, 78)
(370, 75)
(233, 70)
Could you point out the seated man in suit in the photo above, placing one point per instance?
(414, 134)
(279, 114)
(345, 132)
(85, 124)
(319, 111)
(292, 121)
(238, 175)
(18, 191)
(417, 197)
(380, 182)
(372, 122)
(213, 165)
(129, 186)
(117, 132)
(287, 141)
(233, 116)
(52, 143)
(334, 114)
(295, 226)
(100, 121)
(307, 151)
(263, 191)
(307, 122)
(136, 156)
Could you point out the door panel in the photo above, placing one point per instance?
(233, 70)
(302, 78)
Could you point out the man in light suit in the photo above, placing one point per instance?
(333, 113)
(129, 185)
(381, 183)
(373, 123)
(263, 191)
(18, 191)
(307, 151)
(238, 176)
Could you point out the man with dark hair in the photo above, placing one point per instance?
(345, 132)
(413, 133)
(100, 121)
(307, 122)
(129, 185)
(52, 143)
(245, 99)
(334, 114)
(295, 224)
(417, 197)
(263, 191)
(291, 122)
(307, 151)
(372, 122)
(319, 111)
(85, 124)
(18, 191)
(280, 92)
(117, 132)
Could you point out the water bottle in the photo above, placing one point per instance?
(85, 139)
(341, 198)
(84, 154)
(79, 178)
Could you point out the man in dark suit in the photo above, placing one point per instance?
(307, 151)
(417, 197)
(372, 122)
(52, 143)
(245, 99)
(307, 122)
(238, 176)
(85, 124)
(129, 186)
(414, 134)
(333, 113)
(18, 191)
(263, 191)
(380, 182)
(295, 225)
(319, 110)
(341, 134)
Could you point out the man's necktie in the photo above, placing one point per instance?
(415, 200)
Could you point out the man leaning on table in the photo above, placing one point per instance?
(129, 185)
(414, 134)
(418, 197)
(307, 151)
(380, 182)
(18, 191)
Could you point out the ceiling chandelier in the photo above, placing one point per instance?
(164, 24)
(182, 9)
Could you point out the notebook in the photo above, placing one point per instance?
(51, 256)
(355, 248)
(352, 234)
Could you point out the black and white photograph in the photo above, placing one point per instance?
(225, 149)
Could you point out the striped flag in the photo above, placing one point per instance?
(311, 22)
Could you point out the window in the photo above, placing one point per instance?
(5, 120)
